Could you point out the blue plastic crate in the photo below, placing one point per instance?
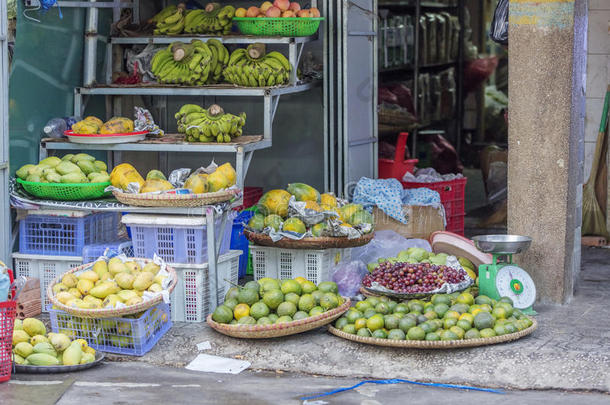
(133, 335)
(65, 235)
(176, 239)
(239, 240)
(110, 249)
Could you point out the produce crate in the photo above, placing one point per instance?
(45, 268)
(7, 320)
(191, 297)
(452, 197)
(92, 252)
(176, 239)
(128, 335)
(314, 265)
(251, 197)
(65, 233)
(239, 240)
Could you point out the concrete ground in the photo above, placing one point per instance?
(133, 383)
(569, 351)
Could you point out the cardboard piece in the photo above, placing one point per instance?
(422, 221)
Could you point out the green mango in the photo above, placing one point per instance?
(99, 178)
(82, 156)
(53, 177)
(100, 166)
(86, 166)
(74, 178)
(23, 171)
(51, 161)
(34, 178)
(69, 156)
(66, 167)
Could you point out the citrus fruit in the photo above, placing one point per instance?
(269, 285)
(292, 297)
(373, 301)
(382, 308)
(353, 314)
(273, 298)
(254, 285)
(510, 328)
(431, 315)
(507, 307)
(406, 323)
(328, 286)
(401, 308)
(364, 332)
(459, 308)
(375, 322)
(428, 306)
(222, 314)
(465, 298)
(500, 330)
(441, 299)
(284, 319)
(362, 306)
(390, 321)
(360, 323)
(233, 322)
(499, 313)
(341, 322)
(415, 306)
(231, 303)
(416, 333)
(380, 334)
(452, 314)
(414, 314)
(241, 310)
(308, 287)
(300, 315)
(317, 295)
(458, 331)
(300, 280)
(264, 321)
(483, 320)
(485, 308)
(463, 324)
(508, 300)
(306, 302)
(286, 308)
(472, 334)
(487, 333)
(432, 336)
(449, 335)
(273, 317)
(521, 324)
(232, 293)
(258, 310)
(449, 322)
(441, 309)
(329, 301)
(291, 286)
(246, 320)
(427, 327)
(467, 317)
(349, 329)
(396, 334)
(316, 311)
(369, 312)
(482, 299)
(247, 296)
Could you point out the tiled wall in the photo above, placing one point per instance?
(598, 73)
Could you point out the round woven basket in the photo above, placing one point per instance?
(309, 243)
(108, 312)
(443, 344)
(282, 329)
(175, 200)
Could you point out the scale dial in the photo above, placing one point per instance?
(515, 283)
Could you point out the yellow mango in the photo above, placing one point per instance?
(73, 354)
(116, 266)
(75, 293)
(38, 339)
(156, 185)
(20, 336)
(217, 181)
(93, 300)
(84, 286)
(228, 172)
(151, 267)
(133, 301)
(133, 266)
(154, 287)
(126, 295)
(100, 268)
(111, 301)
(89, 275)
(125, 280)
(42, 359)
(197, 183)
(87, 358)
(33, 327)
(143, 281)
(105, 289)
(69, 280)
(24, 349)
(59, 287)
(59, 341)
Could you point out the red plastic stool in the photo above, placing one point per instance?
(396, 169)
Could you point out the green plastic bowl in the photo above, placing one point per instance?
(285, 27)
(65, 191)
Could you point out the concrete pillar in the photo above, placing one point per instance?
(547, 61)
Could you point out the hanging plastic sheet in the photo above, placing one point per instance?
(499, 25)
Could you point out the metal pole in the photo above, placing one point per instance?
(90, 54)
(5, 213)
(212, 258)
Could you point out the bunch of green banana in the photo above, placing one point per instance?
(193, 64)
(172, 24)
(163, 14)
(251, 67)
(214, 19)
(211, 125)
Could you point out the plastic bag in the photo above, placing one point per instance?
(5, 284)
(478, 71)
(385, 244)
(498, 31)
(348, 276)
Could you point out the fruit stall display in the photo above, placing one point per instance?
(277, 308)
(93, 125)
(457, 318)
(209, 125)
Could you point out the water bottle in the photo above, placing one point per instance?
(55, 128)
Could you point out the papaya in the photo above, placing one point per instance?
(155, 174)
(197, 183)
(95, 120)
(328, 199)
(274, 202)
(257, 222)
(229, 173)
(274, 221)
(303, 192)
(124, 174)
(86, 127)
(294, 225)
(117, 125)
(51, 161)
(348, 210)
(217, 181)
(360, 217)
(318, 229)
(156, 185)
(312, 205)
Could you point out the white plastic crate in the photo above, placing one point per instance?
(314, 265)
(190, 301)
(45, 268)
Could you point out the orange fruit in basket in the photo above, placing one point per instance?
(241, 310)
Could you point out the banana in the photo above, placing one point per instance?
(174, 18)
(273, 64)
(236, 55)
(280, 58)
(163, 14)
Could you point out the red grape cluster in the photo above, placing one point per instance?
(413, 278)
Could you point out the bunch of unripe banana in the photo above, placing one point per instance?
(170, 20)
(193, 64)
(211, 125)
(253, 67)
(174, 20)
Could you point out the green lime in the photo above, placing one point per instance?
(441, 309)
(284, 319)
(291, 286)
(273, 298)
(341, 322)
(465, 298)
(510, 328)
(308, 287)
(416, 306)
(264, 321)
(396, 334)
(449, 335)
(402, 308)
(438, 323)
(499, 313)
(253, 285)
(328, 287)
(306, 302)
(383, 298)
(406, 323)
(382, 308)
(428, 306)
(521, 324)
(472, 334)
(364, 332)
(246, 320)
(349, 329)
(292, 297)
(362, 306)
(286, 308)
(258, 310)
(454, 295)
(315, 311)
(473, 308)
(432, 336)
(483, 320)
(317, 295)
(507, 307)
(353, 314)
(508, 300)
(487, 333)
(449, 322)
(500, 330)
(373, 301)
(247, 296)
(452, 314)
(300, 315)
(269, 284)
(231, 303)
(369, 312)
(273, 317)
(390, 321)
(460, 308)
(421, 319)
(416, 333)
(375, 322)
(441, 299)
(274, 221)
(458, 331)
(222, 314)
(232, 293)
(414, 314)
(392, 305)
(380, 334)
(329, 301)
(427, 327)
(360, 323)
(464, 324)
(482, 299)
(485, 308)
(431, 315)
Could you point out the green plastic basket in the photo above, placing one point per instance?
(285, 27)
(65, 191)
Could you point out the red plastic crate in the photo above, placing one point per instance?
(396, 169)
(251, 197)
(8, 310)
(452, 197)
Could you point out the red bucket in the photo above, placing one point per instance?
(8, 310)
(396, 169)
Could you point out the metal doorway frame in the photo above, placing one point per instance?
(5, 215)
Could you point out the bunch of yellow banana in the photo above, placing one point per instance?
(214, 19)
(211, 125)
(170, 21)
(193, 64)
(253, 68)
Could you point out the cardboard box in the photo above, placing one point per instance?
(422, 221)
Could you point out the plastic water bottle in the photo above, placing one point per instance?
(56, 126)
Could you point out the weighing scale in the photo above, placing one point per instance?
(503, 278)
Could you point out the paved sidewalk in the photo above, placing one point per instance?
(569, 351)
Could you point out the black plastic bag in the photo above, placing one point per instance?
(499, 26)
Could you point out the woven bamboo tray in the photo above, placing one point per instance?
(282, 329)
(108, 312)
(309, 243)
(175, 200)
(444, 344)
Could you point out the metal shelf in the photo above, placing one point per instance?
(228, 39)
(438, 65)
(394, 69)
(413, 4)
